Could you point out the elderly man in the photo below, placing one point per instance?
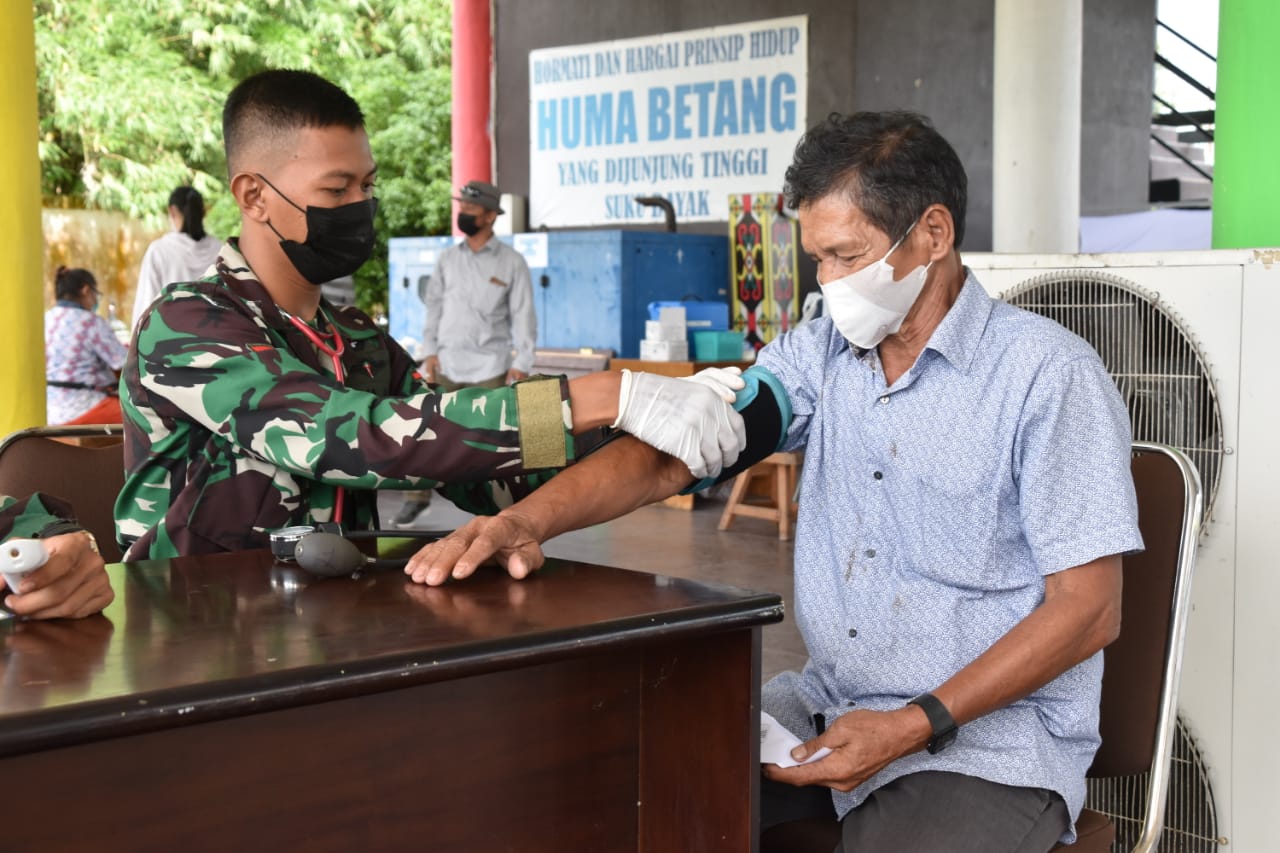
(967, 499)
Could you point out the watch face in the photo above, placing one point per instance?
(941, 741)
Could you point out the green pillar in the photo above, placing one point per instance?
(21, 240)
(1246, 180)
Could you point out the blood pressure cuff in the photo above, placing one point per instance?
(766, 409)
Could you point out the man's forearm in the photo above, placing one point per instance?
(620, 477)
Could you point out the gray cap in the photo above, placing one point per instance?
(478, 192)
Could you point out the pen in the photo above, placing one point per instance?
(819, 723)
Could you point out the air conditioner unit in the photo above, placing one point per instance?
(1191, 339)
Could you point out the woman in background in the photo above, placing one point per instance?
(81, 354)
(181, 255)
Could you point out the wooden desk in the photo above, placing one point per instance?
(225, 703)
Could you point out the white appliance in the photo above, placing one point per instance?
(1193, 340)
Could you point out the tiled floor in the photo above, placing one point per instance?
(675, 542)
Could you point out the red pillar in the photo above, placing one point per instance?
(472, 69)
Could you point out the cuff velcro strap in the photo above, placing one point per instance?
(539, 405)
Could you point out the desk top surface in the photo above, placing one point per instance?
(203, 638)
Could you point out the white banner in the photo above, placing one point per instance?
(689, 116)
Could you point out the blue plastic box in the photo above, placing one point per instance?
(717, 346)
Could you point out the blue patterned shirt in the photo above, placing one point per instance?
(931, 512)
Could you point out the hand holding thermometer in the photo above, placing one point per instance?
(18, 557)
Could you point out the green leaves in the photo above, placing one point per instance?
(131, 100)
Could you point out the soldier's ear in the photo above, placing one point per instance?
(247, 189)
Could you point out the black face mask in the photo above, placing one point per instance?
(467, 224)
(339, 239)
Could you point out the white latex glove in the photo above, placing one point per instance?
(725, 381)
(687, 419)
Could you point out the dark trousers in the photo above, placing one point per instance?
(930, 812)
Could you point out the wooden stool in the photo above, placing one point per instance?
(781, 468)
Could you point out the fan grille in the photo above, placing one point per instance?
(1159, 370)
(1190, 821)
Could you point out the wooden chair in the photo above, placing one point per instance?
(782, 469)
(44, 459)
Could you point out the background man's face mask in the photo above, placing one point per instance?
(339, 239)
(869, 305)
(468, 225)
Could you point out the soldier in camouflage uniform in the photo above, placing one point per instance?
(251, 403)
(73, 583)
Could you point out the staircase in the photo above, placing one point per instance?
(1181, 141)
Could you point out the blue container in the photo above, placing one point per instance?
(597, 286)
(717, 346)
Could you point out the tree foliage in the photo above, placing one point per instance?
(131, 98)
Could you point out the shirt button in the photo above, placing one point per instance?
(871, 552)
(853, 632)
(884, 400)
(878, 475)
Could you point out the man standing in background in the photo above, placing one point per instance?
(481, 325)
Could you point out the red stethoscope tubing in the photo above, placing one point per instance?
(335, 355)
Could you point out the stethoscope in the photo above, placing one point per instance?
(335, 354)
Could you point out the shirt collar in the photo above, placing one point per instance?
(960, 333)
(489, 246)
(236, 275)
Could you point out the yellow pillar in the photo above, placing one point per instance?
(21, 291)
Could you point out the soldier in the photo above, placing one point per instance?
(73, 582)
(251, 403)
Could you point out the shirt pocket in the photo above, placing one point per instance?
(953, 493)
(489, 299)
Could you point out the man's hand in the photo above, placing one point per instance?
(507, 539)
(72, 584)
(431, 369)
(514, 375)
(689, 420)
(862, 743)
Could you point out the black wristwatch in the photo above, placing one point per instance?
(944, 727)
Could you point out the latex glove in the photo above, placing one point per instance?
(725, 381)
(687, 419)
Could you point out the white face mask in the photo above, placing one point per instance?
(869, 305)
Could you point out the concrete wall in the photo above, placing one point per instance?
(1115, 127)
(926, 55)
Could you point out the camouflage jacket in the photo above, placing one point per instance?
(38, 515)
(235, 424)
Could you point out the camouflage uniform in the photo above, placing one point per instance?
(37, 516)
(235, 424)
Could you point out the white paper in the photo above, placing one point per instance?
(776, 743)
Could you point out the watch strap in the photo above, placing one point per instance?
(940, 720)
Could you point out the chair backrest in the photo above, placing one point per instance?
(1143, 666)
(87, 477)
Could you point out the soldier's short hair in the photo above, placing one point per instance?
(273, 104)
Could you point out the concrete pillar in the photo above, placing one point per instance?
(1035, 144)
(472, 70)
(21, 248)
(1246, 182)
